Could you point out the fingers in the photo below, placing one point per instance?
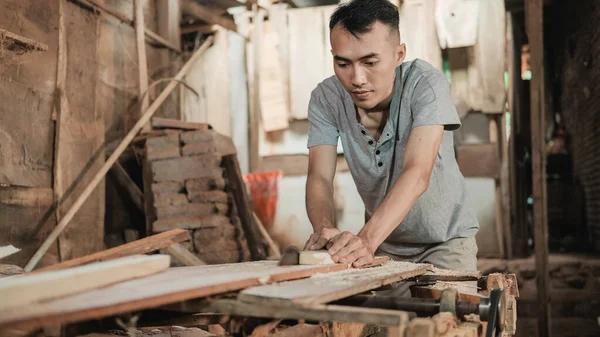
(363, 261)
(320, 244)
(344, 254)
(339, 241)
(311, 240)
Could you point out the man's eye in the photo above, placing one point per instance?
(342, 65)
(370, 64)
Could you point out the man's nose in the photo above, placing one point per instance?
(358, 77)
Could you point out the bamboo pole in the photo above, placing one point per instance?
(113, 158)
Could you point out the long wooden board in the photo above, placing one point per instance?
(320, 289)
(142, 246)
(334, 313)
(171, 286)
(33, 288)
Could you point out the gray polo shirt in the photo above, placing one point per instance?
(421, 97)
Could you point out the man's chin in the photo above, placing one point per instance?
(365, 105)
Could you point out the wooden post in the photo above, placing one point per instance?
(534, 16)
(255, 90)
(113, 158)
(142, 63)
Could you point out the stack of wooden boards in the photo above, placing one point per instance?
(189, 191)
(150, 287)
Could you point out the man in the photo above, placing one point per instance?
(395, 121)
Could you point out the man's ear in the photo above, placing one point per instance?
(400, 54)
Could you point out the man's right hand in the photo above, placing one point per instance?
(319, 240)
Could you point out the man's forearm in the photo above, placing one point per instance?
(411, 184)
(319, 203)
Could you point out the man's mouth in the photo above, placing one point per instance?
(361, 94)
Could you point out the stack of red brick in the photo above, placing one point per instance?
(189, 191)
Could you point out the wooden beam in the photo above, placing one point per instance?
(142, 62)
(208, 14)
(273, 248)
(167, 123)
(123, 18)
(255, 106)
(32, 288)
(334, 286)
(237, 187)
(167, 288)
(113, 158)
(320, 313)
(181, 254)
(18, 44)
(142, 246)
(478, 160)
(534, 18)
(125, 181)
(201, 28)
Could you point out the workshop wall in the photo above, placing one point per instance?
(576, 48)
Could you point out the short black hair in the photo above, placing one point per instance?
(358, 16)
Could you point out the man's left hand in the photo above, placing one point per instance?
(349, 248)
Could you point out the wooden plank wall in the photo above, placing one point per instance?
(27, 129)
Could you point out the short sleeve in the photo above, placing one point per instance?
(322, 128)
(432, 104)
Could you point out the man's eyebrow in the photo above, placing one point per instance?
(368, 56)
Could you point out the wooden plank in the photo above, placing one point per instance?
(237, 187)
(166, 123)
(306, 52)
(457, 22)
(321, 313)
(438, 274)
(478, 160)
(142, 246)
(321, 289)
(181, 254)
(18, 44)
(124, 180)
(140, 44)
(418, 31)
(458, 61)
(490, 54)
(33, 288)
(273, 96)
(78, 153)
(255, 104)
(208, 14)
(26, 197)
(171, 286)
(183, 168)
(534, 19)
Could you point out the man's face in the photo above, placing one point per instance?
(366, 66)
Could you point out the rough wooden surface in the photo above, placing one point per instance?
(330, 287)
(315, 312)
(160, 123)
(438, 274)
(78, 153)
(171, 286)
(37, 287)
(142, 246)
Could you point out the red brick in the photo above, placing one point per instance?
(192, 137)
(220, 257)
(190, 222)
(190, 210)
(204, 184)
(158, 143)
(198, 148)
(204, 236)
(222, 244)
(167, 187)
(208, 196)
(166, 199)
(166, 153)
(183, 168)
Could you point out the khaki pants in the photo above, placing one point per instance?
(457, 254)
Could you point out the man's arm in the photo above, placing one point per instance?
(419, 158)
(319, 195)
